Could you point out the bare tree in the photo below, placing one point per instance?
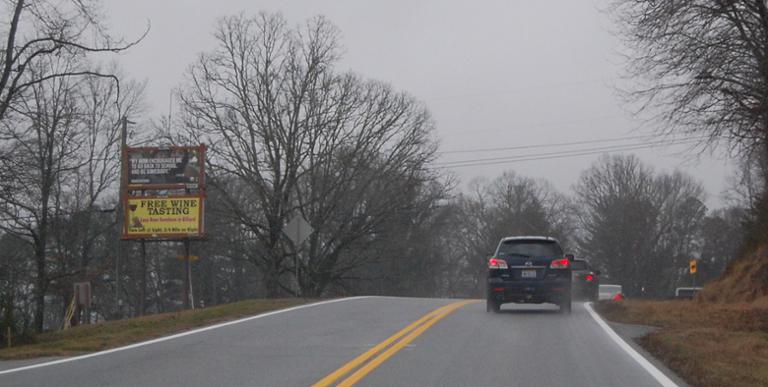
(89, 192)
(41, 148)
(701, 68)
(252, 100)
(638, 226)
(748, 192)
(746, 184)
(60, 157)
(90, 188)
(525, 206)
(508, 205)
(368, 169)
(14, 275)
(476, 236)
(289, 136)
(40, 30)
(704, 64)
(721, 240)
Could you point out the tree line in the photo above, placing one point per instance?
(289, 135)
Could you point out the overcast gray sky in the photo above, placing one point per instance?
(494, 74)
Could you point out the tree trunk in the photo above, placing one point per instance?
(8, 318)
(274, 260)
(41, 284)
(315, 291)
(272, 280)
(143, 295)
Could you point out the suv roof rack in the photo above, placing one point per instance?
(530, 237)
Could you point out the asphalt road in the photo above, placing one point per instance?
(522, 346)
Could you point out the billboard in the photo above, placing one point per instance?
(163, 217)
(159, 168)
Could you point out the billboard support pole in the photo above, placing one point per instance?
(143, 300)
(188, 296)
(163, 198)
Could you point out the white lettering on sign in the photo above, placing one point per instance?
(154, 166)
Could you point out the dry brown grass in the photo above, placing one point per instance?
(745, 280)
(712, 357)
(708, 344)
(719, 339)
(111, 334)
(687, 314)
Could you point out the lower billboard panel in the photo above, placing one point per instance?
(163, 217)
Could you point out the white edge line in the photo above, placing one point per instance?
(176, 336)
(660, 377)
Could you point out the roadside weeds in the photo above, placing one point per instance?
(707, 344)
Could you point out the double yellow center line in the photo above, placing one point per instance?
(405, 336)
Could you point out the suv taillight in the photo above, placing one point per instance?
(589, 278)
(495, 263)
(563, 263)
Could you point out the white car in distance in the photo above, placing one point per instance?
(607, 292)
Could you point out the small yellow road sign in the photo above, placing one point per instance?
(192, 258)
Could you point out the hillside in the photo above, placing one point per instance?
(745, 280)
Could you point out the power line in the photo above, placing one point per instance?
(537, 125)
(513, 89)
(661, 141)
(557, 155)
(583, 142)
(568, 154)
(616, 147)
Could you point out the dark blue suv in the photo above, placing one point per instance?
(529, 269)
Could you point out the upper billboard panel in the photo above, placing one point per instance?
(155, 168)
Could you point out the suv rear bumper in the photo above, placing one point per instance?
(529, 292)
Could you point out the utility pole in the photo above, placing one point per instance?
(120, 212)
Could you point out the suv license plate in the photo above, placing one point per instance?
(528, 273)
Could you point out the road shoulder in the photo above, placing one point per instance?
(632, 332)
(10, 364)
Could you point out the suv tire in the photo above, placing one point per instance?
(492, 306)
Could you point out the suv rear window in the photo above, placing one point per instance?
(529, 248)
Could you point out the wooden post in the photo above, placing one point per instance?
(8, 335)
(143, 300)
(188, 303)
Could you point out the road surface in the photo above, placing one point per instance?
(458, 345)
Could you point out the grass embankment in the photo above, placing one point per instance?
(111, 334)
(745, 280)
(706, 343)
